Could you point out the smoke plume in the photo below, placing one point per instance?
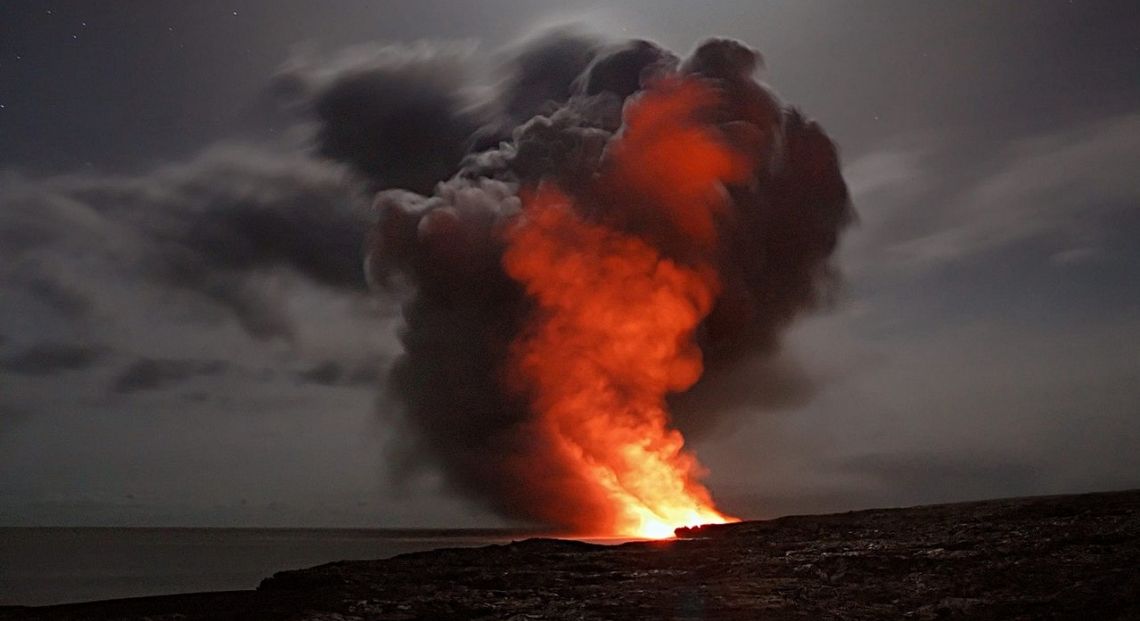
(614, 232)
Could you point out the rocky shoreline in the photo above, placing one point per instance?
(1058, 557)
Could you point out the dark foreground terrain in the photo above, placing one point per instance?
(1064, 557)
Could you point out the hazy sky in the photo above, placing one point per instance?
(986, 343)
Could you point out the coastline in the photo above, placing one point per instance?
(1064, 557)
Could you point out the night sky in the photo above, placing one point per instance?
(984, 344)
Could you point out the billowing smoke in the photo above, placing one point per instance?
(614, 161)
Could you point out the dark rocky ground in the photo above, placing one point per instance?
(1064, 557)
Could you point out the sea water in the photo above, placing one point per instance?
(40, 566)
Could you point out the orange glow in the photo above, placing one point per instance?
(612, 332)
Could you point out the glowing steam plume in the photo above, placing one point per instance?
(627, 233)
(614, 324)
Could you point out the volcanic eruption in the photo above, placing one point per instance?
(624, 228)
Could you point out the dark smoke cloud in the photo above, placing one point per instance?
(398, 115)
(556, 114)
(622, 69)
(540, 73)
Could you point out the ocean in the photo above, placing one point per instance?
(40, 566)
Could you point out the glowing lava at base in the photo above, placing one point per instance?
(614, 321)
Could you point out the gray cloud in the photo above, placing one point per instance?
(212, 226)
(174, 270)
(1062, 188)
(326, 373)
(991, 407)
(59, 295)
(10, 413)
(51, 358)
(924, 477)
(152, 374)
(344, 373)
(894, 478)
